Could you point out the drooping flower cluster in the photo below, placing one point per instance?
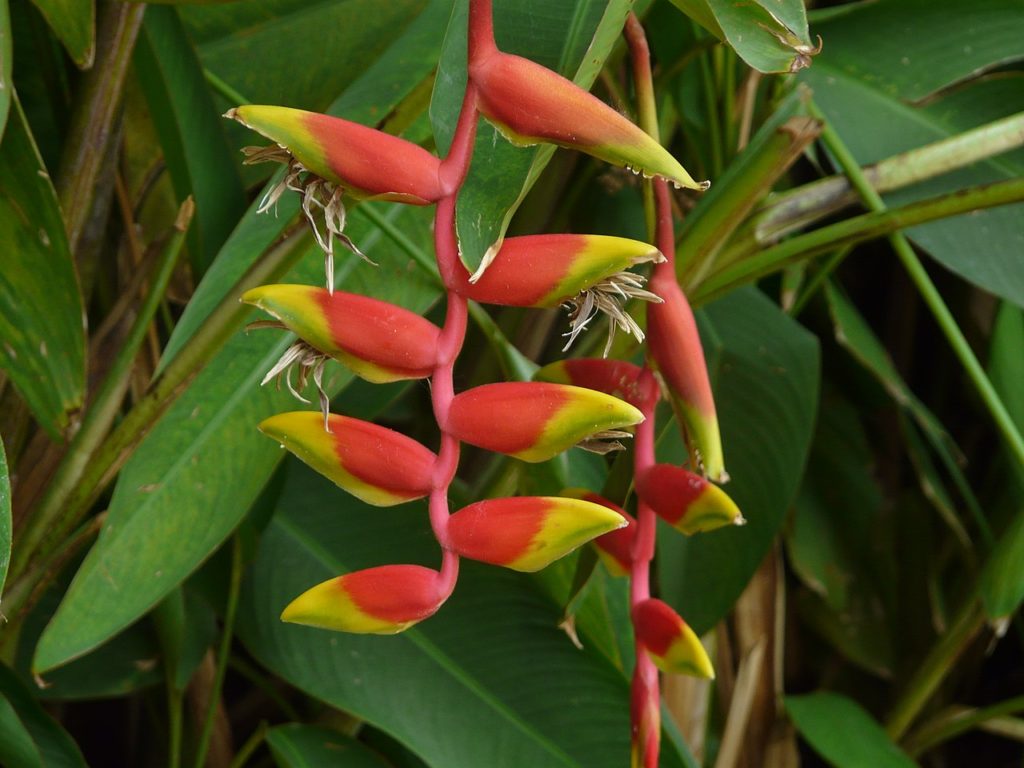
(594, 404)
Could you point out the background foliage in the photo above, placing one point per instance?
(867, 356)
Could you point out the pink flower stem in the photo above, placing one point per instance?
(646, 704)
(453, 171)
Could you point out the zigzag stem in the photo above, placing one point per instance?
(442, 391)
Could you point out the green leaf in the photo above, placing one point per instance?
(313, 50)
(1002, 580)
(836, 540)
(765, 377)
(312, 746)
(53, 744)
(191, 132)
(874, 120)
(1006, 367)
(491, 667)
(43, 339)
(74, 23)
(843, 733)
(573, 38)
(770, 35)
(908, 49)
(6, 62)
(5, 517)
(17, 750)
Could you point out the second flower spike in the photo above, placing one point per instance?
(536, 421)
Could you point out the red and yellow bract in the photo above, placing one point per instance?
(686, 500)
(673, 646)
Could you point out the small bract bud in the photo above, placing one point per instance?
(530, 104)
(686, 500)
(672, 645)
(526, 533)
(378, 465)
(536, 421)
(615, 547)
(675, 346)
(613, 377)
(381, 601)
(378, 341)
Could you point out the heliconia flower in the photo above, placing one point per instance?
(615, 547)
(530, 103)
(378, 341)
(378, 465)
(672, 645)
(526, 533)
(686, 500)
(674, 344)
(383, 601)
(367, 163)
(613, 377)
(535, 421)
(587, 273)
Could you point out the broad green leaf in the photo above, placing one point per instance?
(765, 378)
(770, 35)
(43, 339)
(17, 749)
(54, 745)
(573, 38)
(5, 518)
(309, 52)
(198, 473)
(836, 541)
(191, 132)
(6, 62)
(843, 733)
(313, 746)
(488, 680)
(1006, 366)
(909, 49)
(875, 120)
(74, 23)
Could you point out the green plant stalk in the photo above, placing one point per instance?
(936, 665)
(806, 204)
(174, 697)
(958, 720)
(250, 746)
(857, 230)
(930, 294)
(104, 408)
(714, 124)
(92, 121)
(818, 279)
(234, 587)
(232, 96)
(63, 508)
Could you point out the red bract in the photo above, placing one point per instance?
(685, 500)
(673, 646)
(383, 600)
(376, 464)
(613, 377)
(379, 341)
(535, 421)
(530, 104)
(367, 163)
(526, 533)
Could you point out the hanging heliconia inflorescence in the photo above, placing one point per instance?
(593, 404)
